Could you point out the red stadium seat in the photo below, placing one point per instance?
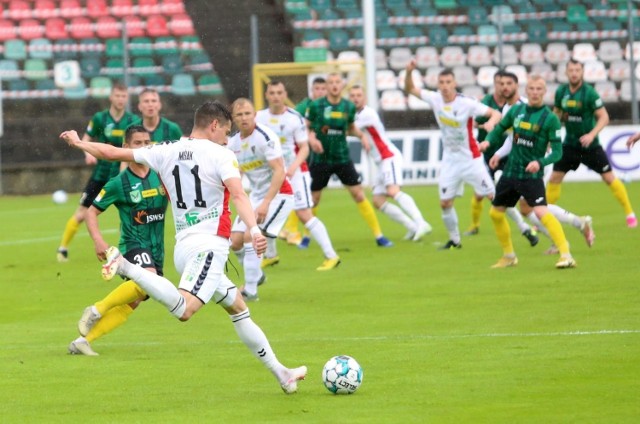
(135, 26)
(19, 9)
(55, 29)
(148, 7)
(8, 30)
(30, 29)
(181, 25)
(107, 27)
(44, 9)
(70, 9)
(97, 8)
(172, 7)
(81, 27)
(120, 8)
(157, 26)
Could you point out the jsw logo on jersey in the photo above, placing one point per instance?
(147, 216)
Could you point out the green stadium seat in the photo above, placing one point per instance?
(190, 44)
(426, 11)
(154, 81)
(90, 67)
(527, 8)
(143, 67)
(338, 40)
(537, 33)
(387, 32)
(114, 47)
(76, 93)
(488, 34)
(511, 29)
(504, 13)
(91, 47)
(45, 84)
(577, 13)
(463, 30)
(477, 15)
(18, 85)
(402, 11)
(199, 62)
(134, 81)
(543, 2)
(623, 12)
(210, 85)
(183, 85)
(114, 68)
(329, 15)
(35, 69)
(166, 46)
(559, 26)
(64, 49)
(296, 6)
(445, 4)
(9, 69)
(312, 35)
(319, 5)
(345, 5)
(351, 13)
(416, 4)
(100, 87)
(141, 46)
(15, 49)
(468, 3)
(172, 64)
(40, 48)
(586, 26)
(438, 36)
(491, 3)
(412, 31)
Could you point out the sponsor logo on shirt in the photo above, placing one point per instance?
(254, 164)
(147, 216)
(100, 195)
(449, 122)
(149, 193)
(135, 196)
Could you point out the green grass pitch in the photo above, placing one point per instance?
(441, 337)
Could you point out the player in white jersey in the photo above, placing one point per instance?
(259, 155)
(200, 176)
(461, 158)
(291, 129)
(388, 161)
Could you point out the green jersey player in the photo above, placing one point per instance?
(160, 128)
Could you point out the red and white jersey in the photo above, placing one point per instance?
(253, 154)
(290, 128)
(369, 122)
(193, 172)
(455, 120)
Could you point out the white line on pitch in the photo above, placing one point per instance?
(45, 239)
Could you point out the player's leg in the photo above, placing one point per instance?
(506, 196)
(279, 209)
(620, 193)
(254, 338)
(395, 213)
(303, 198)
(570, 161)
(525, 229)
(292, 235)
(584, 224)
(318, 231)
(476, 213)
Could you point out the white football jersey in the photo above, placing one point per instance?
(506, 147)
(290, 128)
(253, 154)
(193, 172)
(455, 120)
(382, 148)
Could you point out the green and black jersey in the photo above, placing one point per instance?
(141, 204)
(330, 122)
(302, 107)
(166, 131)
(104, 129)
(534, 128)
(490, 101)
(578, 112)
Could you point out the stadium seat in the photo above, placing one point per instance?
(209, 84)
(577, 13)
(509, 55)
(502, 12)
(477, 15)
(386, 79)
(121, 8)
(114, 68)
(148, 7)
(141, 46)
(190, 44)
(9, 69)
(544, 70)
(164, 46)
(70, 9)
(65, 49)
(549, 96)
(586, 26)
(387, 32)
(619, 70)
(463, 30)
(531, 53)
(180, 25)
(155, 81)
(108, 27)
(399, 57)
(40, 48)
(8, 31)
(608, 24)
(172, 7)
(393, 100)
(520, 71)
(183, 85)
(15, 49)
(427, 56)
(445, 4)
(18, 85)
(625, 90)
(431, 77)
(485, 76)
(537, 33)
(473, 91)
(135, 26)
(44, 9)
(30, 29)
(381, 59)
(438, 36)
(561, 72)
(464, 75)
(90, 67)
(561, 26)
(479, 56)
(609, 50)
(91, 47)
(172, 64)
(594, 71)
(347, 5)
(143, 67)
(328, 14)
(199, 62)
(584, 52)
(451, 56)
(607, 91)
(157, 26)
(97, 8)
(19, 9)
(113, 47)
(81, 28)
(100, 87)
(76, 93)
(338, 40)
(35, 69)
(557, 52)
(46, 84)
(488, 35)
(416, 76)
(55, 29)
(636, 51)
(415, 103)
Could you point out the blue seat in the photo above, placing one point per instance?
(15, 49)
(76, 93)
(90, 67)
(183, 85)
(40, 48)
(9, 70)
(438, 36)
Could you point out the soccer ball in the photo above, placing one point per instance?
(60, 197)
(342, 375)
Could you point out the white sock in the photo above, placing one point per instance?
(272, 251)
(535, 221)
(564, 216)
(407, 203)
(157, 287)
(252, 269)
(396, 214)
(320, 234)
(516, 217)
(240, 254)
(450, 218)
(255, 339)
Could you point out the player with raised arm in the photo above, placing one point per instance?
(388, 161)
(139, 196)
(108, 127)
(461, 158)
(200, 176)
(292, 131)
(534, 128)
(579, 106)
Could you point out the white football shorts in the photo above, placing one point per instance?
(473, 172)
(277, 215)
(389, 172)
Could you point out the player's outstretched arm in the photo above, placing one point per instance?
(91, 219)
(98, 150)
(245, 211)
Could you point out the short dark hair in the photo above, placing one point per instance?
(210, 111)
(318, 80)
(134, 129)
(575, 62)
(447, 71)
(511, 75)
(119, 85)
(148, 90)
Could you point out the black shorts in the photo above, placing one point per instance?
(595, 159)
(509, 191)
(90, 192)
(144, 258)
(322, 172)
(500, 167)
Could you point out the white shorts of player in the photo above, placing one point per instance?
(389, 172)
(473, 172)
(301, 185)
(200, 259)
(277, 215)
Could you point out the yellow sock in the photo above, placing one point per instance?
(620, 193)
(369, 215)
(553, 193)
(124, 294)
(70, 231)
(476, 212)
(556, 232)
(291, 226)
(503, 231)
(109, 322)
